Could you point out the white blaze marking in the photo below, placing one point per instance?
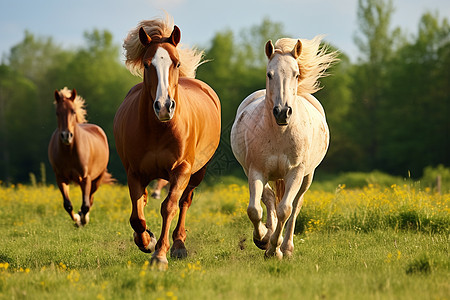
(162, 61)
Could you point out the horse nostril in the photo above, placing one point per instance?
(157, 106)
(289, 112)
(276, 111)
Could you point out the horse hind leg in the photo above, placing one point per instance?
(178, 249)
(84, 216)
(159, 185)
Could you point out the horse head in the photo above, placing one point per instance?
(66, 115)
(281, 82)
(161, 71)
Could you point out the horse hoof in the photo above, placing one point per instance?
(273, 254)
(263, 245)
(179, 253)
(77, 220)
(84, 218)
(151, 245)
(158, 263)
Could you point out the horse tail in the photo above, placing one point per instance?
(280, 187)
(107, 178)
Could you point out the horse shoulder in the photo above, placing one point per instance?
(313, 100)
(195, 86)
(258, 95)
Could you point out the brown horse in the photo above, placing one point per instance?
(78, 152)
(167, 127)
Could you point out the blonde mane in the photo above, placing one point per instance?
(80, 111)
(312, 62)
(190, 58)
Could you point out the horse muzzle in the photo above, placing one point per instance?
(66, 137)
(282, 114)
(164, 110)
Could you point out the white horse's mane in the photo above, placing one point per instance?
(312, 62)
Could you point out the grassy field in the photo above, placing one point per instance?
(367, 243)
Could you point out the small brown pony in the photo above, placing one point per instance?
(78, 152)
(167, 127)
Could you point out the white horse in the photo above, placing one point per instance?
(279, 136)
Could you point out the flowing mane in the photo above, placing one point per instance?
(190, 58)
(312, 62)
(80, 111)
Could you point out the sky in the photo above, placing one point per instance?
(199, 20)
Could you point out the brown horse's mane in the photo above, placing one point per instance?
(80, 110)
(312, 62)
(190, 58)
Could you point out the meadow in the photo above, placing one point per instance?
(371, 242)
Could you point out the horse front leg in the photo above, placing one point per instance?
(143, 237)
(179, 179)
(64, 188)
(284, 211)
(178, 249)
(254, 210)
(287, 247)
(83, 214)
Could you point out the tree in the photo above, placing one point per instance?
(416, 127)
(19, 146)
(375, 41)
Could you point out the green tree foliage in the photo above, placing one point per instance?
(336, 98)
(417, 103)
(19, 146)
(399, 114)
(375, 41)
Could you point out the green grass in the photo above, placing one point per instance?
(43, 256)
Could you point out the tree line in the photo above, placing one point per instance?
(386, 111)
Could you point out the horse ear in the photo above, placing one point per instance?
(297, 49)
(269, 49)
(175, 37)
(74, 94)
(143, 37)
(57, 96)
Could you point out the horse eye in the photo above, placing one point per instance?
(178, 65)
(269, 75)
(146, 65)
